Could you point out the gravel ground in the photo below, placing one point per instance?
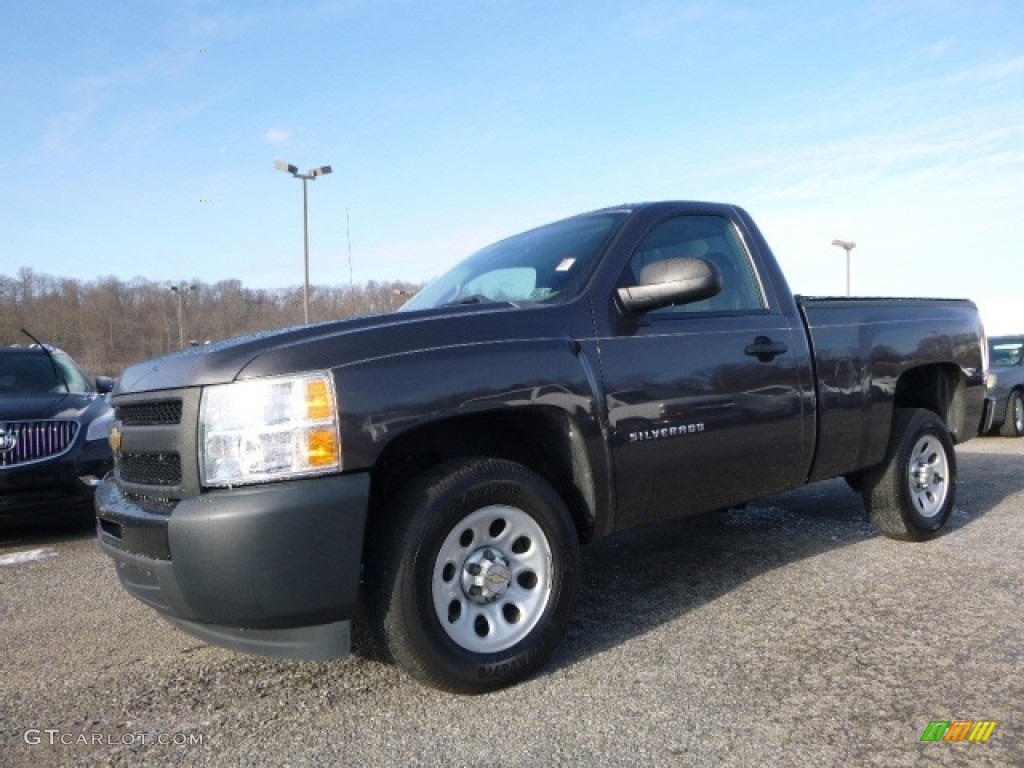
(789, 633)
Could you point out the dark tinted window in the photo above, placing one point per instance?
(30, 372)
(713, 239)
(1005, 351)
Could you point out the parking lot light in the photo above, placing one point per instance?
(312, 173)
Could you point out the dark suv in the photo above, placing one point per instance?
(1006, 384)
(54, 429)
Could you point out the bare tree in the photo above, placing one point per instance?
(108, 324)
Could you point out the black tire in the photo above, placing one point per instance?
(1013, 424)
(910, 496)
(473, 574)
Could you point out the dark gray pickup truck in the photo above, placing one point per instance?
(433, 472)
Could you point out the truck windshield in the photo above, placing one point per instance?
(30, 372)
(549, 264)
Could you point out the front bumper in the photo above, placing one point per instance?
(53, 490)
(268, 569)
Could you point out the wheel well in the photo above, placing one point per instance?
(544, 439)
(1018, 390)
(940, 388)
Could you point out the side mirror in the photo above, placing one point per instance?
(104, 384)
(672, 281)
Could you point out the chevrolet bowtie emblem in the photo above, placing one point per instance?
(115, 439)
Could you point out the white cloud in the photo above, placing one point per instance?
(995, 70)
(277, 136)
(90, 107)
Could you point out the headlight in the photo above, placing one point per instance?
(991, 380)
(268, 429)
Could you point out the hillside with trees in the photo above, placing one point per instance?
(108, 323)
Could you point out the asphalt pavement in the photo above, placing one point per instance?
(789, 633)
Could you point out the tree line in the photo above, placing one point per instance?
(108, 324)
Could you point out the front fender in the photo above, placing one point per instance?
(384, 398)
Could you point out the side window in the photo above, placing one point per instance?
(75, 379)
(713, 239)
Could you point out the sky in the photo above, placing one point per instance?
(139, 138)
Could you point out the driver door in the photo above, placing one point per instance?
(705, 400)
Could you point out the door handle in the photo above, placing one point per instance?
(764, 349)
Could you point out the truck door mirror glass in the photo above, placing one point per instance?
(671, 281)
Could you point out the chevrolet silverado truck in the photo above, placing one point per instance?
(431, 474)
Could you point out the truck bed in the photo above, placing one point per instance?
(862, 346)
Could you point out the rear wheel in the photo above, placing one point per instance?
(1013, 424)
(911, 494)
(473, 575)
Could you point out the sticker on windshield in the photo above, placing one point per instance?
(565, 265)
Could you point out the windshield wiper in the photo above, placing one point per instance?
(56, 370)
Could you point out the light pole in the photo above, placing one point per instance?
(181, 289)
(312, 173)
(846, 245)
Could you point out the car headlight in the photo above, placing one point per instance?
(268, 429)
(991, 380)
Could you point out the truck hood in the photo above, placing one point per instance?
(334, 344)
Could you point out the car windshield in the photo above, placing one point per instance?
(549, 264)
(30, 372)
(1005, 351)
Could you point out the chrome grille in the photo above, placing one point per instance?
(26, 442)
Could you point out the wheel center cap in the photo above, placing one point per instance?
(496, 580)
(486, 575)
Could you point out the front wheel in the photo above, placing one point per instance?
(473, 575)
(911, 494)
(1013, 425)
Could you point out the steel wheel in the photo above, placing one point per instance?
(911, 494)
(928, 476)
(492, 579)
(472, 574)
